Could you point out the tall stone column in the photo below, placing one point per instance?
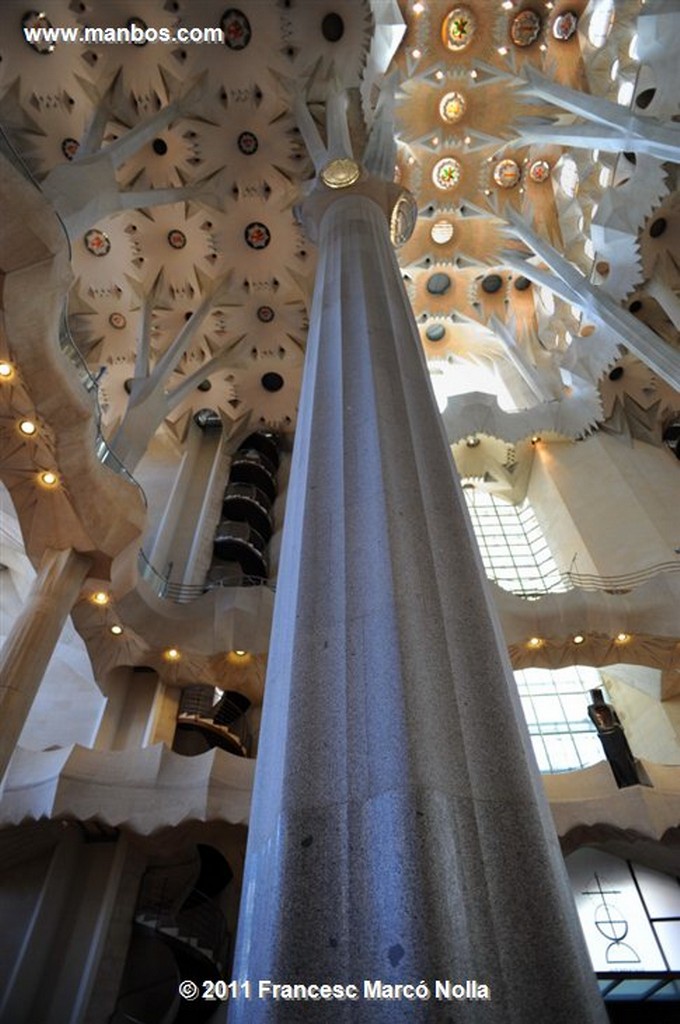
(31, 641)
(399, 831)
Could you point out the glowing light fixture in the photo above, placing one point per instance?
(622, 638)
(6, 370)
(172, 654)
(27, 427)
(535, 642)
(48, 479)
(578, 639)
(100, 597)
(116, 630)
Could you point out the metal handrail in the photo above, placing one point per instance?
(202, 921)
(181, 592)
(624, 581)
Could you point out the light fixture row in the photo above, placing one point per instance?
(536, 642)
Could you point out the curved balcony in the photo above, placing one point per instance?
(252, 467)
(265, 442)
(246, 503)
(241, 543)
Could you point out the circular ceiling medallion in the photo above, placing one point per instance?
(403, 218)
(564, 26)
(69, 148)
(441, 232)
(438, 284)
(236, 28)
(271, 381)
(525, 28)
(492, 283)
(35, 19)
(137, 28)
(341, 173)
(257, 235)
(446, 173)
(265, 314)
(247, 143)
(658, 227)
(539, 171)
(452, 107)
(332, 27)
(118, 321)
(435, 332)
(458, 28)
(177, 239)
(159, 146)
(97, 243)
(522, 284)
(507, 173)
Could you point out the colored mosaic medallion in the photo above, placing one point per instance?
(177, 239)
(564, 26)
(525, 28)
(458, 28)
(539, 171)
(247, 143)
(446, 173)
(507, 173)
(452, 107)
(97, 242)
(403, 219)
(265, 314)
(236, 28)
(257, 235)
(69, 148)
(35, 19)
(118, 321)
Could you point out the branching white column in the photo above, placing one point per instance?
(399, 830)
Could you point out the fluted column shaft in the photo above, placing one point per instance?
(31, 641)
(399, 830)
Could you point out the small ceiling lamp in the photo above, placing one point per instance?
(535, 642)
(27, 427)
(6, 370)
(536, 439)
(100, 597)
(578, 639)
(622, 638)
(116, 630)
(172, 654)
(48, 478)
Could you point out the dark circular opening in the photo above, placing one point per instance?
(492, 283)
(159, 146)
(332, 27)
(616, 373)
(635, 306)
(658, 227)
(205, 385)
(435, 332)
(128, 384)
(522, 283)
(643, 99)
(271, 381)
(631, 158)
(188, 315)
(141, 25)
(438, 284)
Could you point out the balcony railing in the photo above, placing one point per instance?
(183, 592)
(104, 453)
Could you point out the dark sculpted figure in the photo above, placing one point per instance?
(613, 740)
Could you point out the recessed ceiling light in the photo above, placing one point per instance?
(535, 642)
(49, 479)
(578, 639)
(622, 638)
(27, 427)
(172, 654)
(6, 370)
(100, 597)
(116, 630)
